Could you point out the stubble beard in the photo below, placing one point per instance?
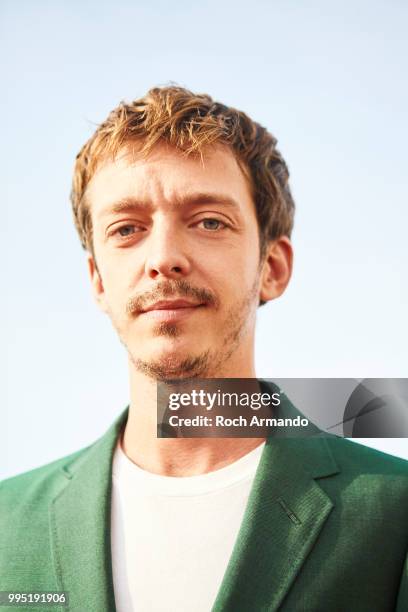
(207, 364)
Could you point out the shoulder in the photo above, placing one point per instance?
(40, 485)
(373, 481)
(357, 458)
(37, 485)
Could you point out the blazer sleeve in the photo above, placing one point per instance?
(402, 600)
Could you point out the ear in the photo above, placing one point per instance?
(277, 269)
(96, 283)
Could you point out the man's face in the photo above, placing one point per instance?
(176, 246)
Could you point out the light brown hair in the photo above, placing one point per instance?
(191, 122)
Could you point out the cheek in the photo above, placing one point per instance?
(116, 292)
(237, 269)
(236, 289)
(118, 271)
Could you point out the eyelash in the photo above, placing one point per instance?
(128, 225)
(224, 225)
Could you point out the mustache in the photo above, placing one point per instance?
(171, 288)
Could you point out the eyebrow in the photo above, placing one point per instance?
(195, 199)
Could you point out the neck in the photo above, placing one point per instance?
(179, 456)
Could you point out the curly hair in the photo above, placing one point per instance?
(191, 123)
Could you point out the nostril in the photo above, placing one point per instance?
(176, 269)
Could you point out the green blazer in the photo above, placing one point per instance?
(325, 529)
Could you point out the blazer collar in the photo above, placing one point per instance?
(285, 513)
(80, 527)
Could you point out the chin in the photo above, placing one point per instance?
(174, 345)
(169, 364)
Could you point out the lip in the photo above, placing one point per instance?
(171, 309)
(170, 305)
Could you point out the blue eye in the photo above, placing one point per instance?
(212, 224)
(126, 230)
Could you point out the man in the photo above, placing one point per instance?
(184, 208)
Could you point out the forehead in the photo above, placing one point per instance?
(166, 176)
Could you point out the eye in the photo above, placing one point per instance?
(126, 230)
(124, 233)
(212, 224)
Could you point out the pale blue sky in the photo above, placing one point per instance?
(328, 79)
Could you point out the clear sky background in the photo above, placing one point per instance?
(327, 78)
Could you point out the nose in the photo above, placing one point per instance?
(166, 256)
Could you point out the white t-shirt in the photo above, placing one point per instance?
(172, 537)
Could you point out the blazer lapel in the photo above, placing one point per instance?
(80, 527)
(285, 513)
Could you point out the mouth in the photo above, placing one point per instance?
(171, 310)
